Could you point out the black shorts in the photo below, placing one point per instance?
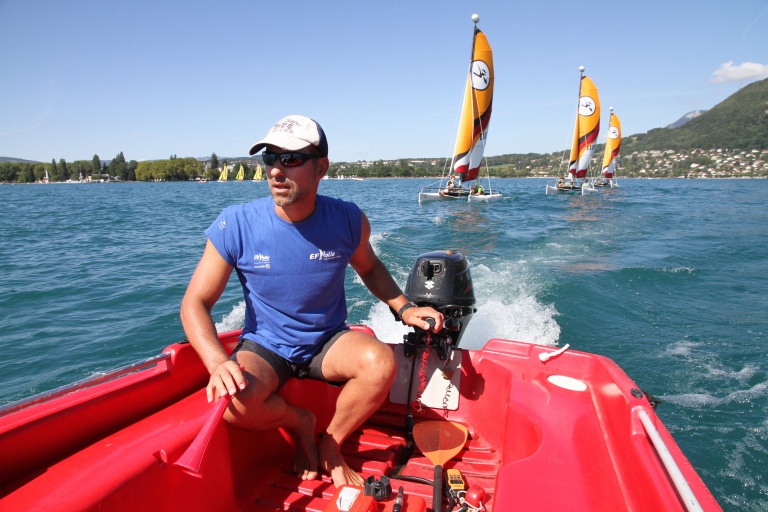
(285, 369)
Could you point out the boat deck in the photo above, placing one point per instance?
(373, 451)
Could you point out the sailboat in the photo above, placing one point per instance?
(611, 154)
(473, 132)
(224, 176)
(259, 174)
(584, 138)
(46, 179)
(240, 173)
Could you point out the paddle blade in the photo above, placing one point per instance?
(191, 460)
(439, 441)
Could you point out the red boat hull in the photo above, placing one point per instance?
(533, 445)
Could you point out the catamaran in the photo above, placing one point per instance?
(473, 132)
(224, 176)
(611, 154)
(240, 173)
(584, 138)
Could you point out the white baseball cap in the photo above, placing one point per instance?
(294, 133)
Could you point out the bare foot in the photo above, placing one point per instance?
(333, 462)
(305, 461)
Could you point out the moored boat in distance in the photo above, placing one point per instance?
(472, 134)
(584, 138)
(540, 429)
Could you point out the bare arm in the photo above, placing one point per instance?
(205, 288)
(381, 283)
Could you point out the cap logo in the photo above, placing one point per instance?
(285, 125)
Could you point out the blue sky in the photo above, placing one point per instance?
(384, 79)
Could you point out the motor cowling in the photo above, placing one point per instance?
(441, 280)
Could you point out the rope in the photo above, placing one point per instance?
(423, 374)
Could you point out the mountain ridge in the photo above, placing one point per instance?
(693, 114)
(738, 122)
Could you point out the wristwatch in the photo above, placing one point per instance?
(406, 306)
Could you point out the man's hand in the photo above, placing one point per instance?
(417, 317)
(226, 379)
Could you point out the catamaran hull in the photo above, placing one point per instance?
(552, 189)
(474, 198)
(485, 198)
(571, 432)
(439, 196)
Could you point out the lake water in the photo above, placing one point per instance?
(669, 278)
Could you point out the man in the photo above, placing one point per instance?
(290, 252)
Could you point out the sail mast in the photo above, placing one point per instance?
(570, 173)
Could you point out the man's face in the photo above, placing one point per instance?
(290, 180)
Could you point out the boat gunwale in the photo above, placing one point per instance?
(88, 382)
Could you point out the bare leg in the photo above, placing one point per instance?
(368, 366)
(257, 407)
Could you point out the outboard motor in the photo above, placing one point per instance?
(441, 279)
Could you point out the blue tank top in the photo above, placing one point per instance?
(292, 273)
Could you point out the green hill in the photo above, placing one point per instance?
(739, 122)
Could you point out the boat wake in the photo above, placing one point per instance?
(507, 308)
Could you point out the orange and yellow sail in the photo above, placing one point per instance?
(612, 146)
(586, 130)
(476, 111)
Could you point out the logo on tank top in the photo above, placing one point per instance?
(324, 255)
(261, 261)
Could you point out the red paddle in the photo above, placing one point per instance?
(439, 441)
(190, 460)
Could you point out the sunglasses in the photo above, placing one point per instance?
(287, 159)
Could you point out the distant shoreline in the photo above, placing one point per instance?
(398, 178)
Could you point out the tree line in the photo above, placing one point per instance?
(118, 169)
(26, 172)
(524, 165)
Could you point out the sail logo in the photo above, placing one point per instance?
(261, 261)
(587, 106)
(481, 75)
(222, 225)
(324, 255)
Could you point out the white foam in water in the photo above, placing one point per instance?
(235, 319)
(681, 348)
(375, 239)
(698, 399)
(702, 356)
(506, 308)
